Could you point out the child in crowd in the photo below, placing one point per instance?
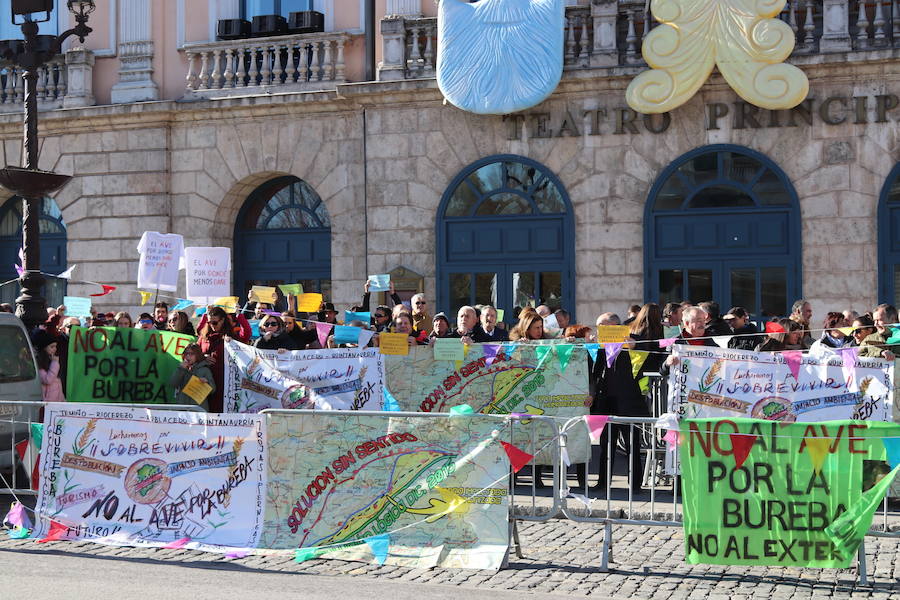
(48, 367)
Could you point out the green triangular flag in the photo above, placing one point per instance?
(37, 435)
(564, 353)
(894, 337)
(461, 409)
(847, 531)
(541, 352)
(305, 554)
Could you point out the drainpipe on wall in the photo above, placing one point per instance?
(370, 40)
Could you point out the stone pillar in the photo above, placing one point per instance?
(135, 54)
(404, 8)
(605, 53)
(835, 26)
(393, 49)
(80, 77)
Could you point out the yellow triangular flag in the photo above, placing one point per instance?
(846, 330)
(818, 451)
(637, 360)
(145, 297)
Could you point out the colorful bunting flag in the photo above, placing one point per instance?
(365, 336)
(67, 274)
(774, 327)
(57, 532)
(592, 349)
(18, 533)
(848, 331)
(200, 311)
(182, 304)
(179, 543)
(378, 544)
(390, 403)
(848, 529)
(638, 358)
(542, 352)
(490, 353)
(741, 446)
(793, 358)
(19, 270)
(666, 342)
(671, 439)
(305, 554)
(145, 297)
(461, 409)
(722, 340)
(892, 447)
(563, 354)
(106, 290)
(323, 329)
(237, 554)
(612, 351)
(17, 516)
(517, 458)
(595, 425)
(818, 451)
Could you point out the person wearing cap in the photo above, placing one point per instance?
(45, 346)
(440, 326)
(327, 314)
(743, 330)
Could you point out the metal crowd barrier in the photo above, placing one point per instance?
(16, 419)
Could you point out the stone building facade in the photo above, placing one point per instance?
(382, 156)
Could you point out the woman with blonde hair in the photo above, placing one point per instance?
(529, 327)
(123, 319)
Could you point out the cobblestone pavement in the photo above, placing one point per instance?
(562, 557)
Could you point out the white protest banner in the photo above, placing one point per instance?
(128, 476)
(328, 379)
(161, 258)
(207, 273)
(717, 382)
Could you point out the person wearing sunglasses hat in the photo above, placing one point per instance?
(328, 314)
(273, 335)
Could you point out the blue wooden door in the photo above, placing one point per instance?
(723, 225)
(504, 237)
(889, 239)
(53, 249)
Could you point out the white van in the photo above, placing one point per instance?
(18, 382)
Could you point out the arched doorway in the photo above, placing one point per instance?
(283, 235)
(889, 238)
(722, 223)
(505, 237)
(53, 249)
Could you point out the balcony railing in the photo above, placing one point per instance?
(303, 62)
(609, 33)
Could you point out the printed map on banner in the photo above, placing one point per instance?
(335, 480)
(328, 379)
(115, 364)
(517, 381)
(717, 382)
(127, 476)
(796, 494)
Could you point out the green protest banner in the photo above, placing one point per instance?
(766, 493)
(115, 364)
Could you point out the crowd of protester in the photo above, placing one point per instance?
(614, 387)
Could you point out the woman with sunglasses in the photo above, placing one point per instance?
(366, 303)
(213, 333)
(863, 326)
(178, 322)
(273, 335)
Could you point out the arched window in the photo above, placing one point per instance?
(889, 239)
(283, 235)
(53, 248)
(722, 223)
(505, 237)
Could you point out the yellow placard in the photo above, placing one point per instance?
(227, 303)
(612, 333)
(394, 343)
(309, 303)
(197, 389)
(263, 293)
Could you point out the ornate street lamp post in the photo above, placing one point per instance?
(27, 181)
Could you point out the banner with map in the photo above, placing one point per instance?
(327, 379)
(407, 491)
(786, 494)
(718, 382)
(549, 379)
(140, 477)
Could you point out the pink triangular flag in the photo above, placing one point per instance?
(517, 458)
(57, 531)
(612, 350)
(848, 361)
(323, 329)
(490, 353)
(19, 270)
(741, 446)
(237, 554)
(17, 516)
(595, 424)
(177, 544)
(671, 440)
(665, 343)
(365, 336)
(793, 358)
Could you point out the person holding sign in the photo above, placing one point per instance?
(274, 336)
(193, 364)
(212, 342)
(403, 324)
